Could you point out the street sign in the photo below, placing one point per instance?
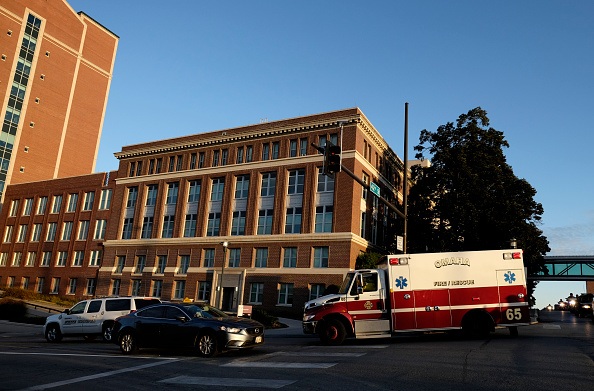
(374, 189)
(400, 243)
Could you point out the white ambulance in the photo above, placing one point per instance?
(474, 291)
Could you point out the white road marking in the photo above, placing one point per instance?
(322, 354)
(228, 382)
(349, 347)
(552, 326)
(87, 355)
(277, 364)
(98, 375)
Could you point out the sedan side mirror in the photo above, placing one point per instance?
(182, 318)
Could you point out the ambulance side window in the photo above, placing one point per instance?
(370, 282)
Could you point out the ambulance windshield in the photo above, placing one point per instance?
(346, 284)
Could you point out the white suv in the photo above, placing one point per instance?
(93, 317)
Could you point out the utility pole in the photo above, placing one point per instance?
(405, 186)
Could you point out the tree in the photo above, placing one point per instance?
(470, 198)
(368, 260)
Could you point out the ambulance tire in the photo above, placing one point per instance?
(513, 331)
(332, 332)
(476, 325)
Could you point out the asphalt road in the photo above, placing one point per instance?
(556, 354)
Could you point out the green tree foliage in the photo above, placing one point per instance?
(368, 260)
(470, 198)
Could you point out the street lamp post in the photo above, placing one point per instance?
(225, 245)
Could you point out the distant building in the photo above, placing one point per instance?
(253, 197)
(55, 73)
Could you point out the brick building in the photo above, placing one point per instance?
(53, 233)
(55, 72)
(254, 197)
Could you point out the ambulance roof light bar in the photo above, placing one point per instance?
(514, 255)
(398, 261)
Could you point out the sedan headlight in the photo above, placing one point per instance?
(233, 330)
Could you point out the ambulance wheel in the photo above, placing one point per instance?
(476, 325)
(333, 332)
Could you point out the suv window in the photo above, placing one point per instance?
(117, 305)
(78, 308)
(141, 303)
(94, 306)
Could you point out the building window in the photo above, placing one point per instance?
(193, 159)
(46, 259)
(37, 228)
(136, 284)
(79, 257)
(161, 264)
(62, 258)
(72, 201)
(83, 229)
(10, 282)
(120, 264)
(140, 264)
(268, 184)
(168, 223)
(67, 230)
(256, 292)
(8, 234)
(249, 154)
(303, 147)
(28, 207)
(201, 160)
(89, 199)
(105, 199)
(213, 225)
(25, 283)
(320, 256)
(194, 191)
(275, 150)
(242, 187)
(151, 195)
(172, 190)
(325, 182)
(171, 163)
(100, 227)
(132, 196)
(224, 157)
(71, 287)
(190, 226)
(293, 221)
(3, 259)
(290, 257)
(151, 169)
(95, 259)
(180, 289)
(56, 204)
(234, 257)
(364, 188)
(363, 224)
(179, 163)
(265, 151)
(42, 205)
(215, 158)
(218, 187)
(239, 158)
(132, 169)
(324, 218)
(316, 290)
(16, 259)
(265, 217)
(184, 264)
(296, 180)
(285, 294)
(157, 288)
(261, 257)
(293, 148)
(204, 290)
(39, 284)
(115, 287)
(22, 236)
(209, 257)
(91, 286)
(31, 256)
(127, 228)
(238, 223)
(52, 228)
(55, 288)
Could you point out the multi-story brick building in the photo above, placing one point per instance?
(55, 72)
(53, 233)
(237, 216)
(254, 197)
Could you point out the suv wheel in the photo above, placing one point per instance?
(107, 331)
(53, 334)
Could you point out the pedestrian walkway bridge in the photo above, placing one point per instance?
(568, 268)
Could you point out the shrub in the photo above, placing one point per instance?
(269, 321)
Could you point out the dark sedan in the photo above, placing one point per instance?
(197, 326)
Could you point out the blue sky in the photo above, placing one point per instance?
(192, 66)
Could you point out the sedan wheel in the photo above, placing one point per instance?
(128, 343)
(207, 345)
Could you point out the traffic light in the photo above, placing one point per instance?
(331, 159)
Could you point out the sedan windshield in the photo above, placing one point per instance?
(205, 311)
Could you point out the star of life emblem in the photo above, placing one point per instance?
(401, 282)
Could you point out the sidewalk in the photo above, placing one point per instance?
(293, 329)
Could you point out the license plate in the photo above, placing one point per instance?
(258, 339)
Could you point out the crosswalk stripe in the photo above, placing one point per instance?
(227, 382)
(322, 354)
(278, 364)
